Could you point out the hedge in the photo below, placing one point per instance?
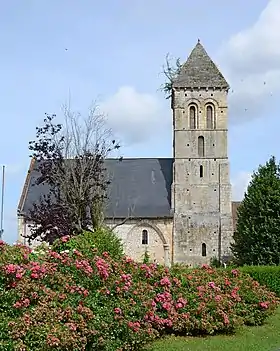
(265, 275)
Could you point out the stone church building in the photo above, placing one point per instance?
(177, 209)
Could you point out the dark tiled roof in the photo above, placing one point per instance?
(140, 187)
(199, 71)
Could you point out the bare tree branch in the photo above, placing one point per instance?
(71, 162)
(131, 210)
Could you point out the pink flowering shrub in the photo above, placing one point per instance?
(69, 301)
(92, 243)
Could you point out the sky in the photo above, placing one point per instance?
(112, 53)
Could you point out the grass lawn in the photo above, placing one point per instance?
(264, 338)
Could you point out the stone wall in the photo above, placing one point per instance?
(201, 184)
(159, 232)
(159, 245)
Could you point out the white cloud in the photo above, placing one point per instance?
(251, 61)
(134, 116)
(239, 185)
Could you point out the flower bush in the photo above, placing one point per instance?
(92, 243)
(69, 301)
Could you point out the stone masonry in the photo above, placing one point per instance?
(201, 184)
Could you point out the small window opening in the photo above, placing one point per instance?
(203, 248)
(201, 171)
(144, 237)
(193, 117)
(201, 146)
(209, 117)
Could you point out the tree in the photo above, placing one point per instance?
(171, 71)
(257, 236)
(70, 162)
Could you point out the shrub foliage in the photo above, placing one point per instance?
(91, 244)
(68, 301)
(265, 275)
(256, 241)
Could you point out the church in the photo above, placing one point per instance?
(179, 209)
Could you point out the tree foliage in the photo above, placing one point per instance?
(170, 71)
(257, 237)
(71, 175)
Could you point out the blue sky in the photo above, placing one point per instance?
(115, 51)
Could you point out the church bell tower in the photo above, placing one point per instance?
(201, 180)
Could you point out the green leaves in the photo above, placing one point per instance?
(257, 238)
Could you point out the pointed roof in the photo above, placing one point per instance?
(199, 71)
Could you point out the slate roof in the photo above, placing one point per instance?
(140, 187)
(199, 71)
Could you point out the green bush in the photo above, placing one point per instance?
(91, 244)
(71, 301)
(265, 275)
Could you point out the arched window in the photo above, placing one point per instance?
(144, 237)
(201, 171)
(193, 117)
(203, 249)
(210, 119)
(201, 146)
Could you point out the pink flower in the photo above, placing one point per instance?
(165, 282)
(235, 272)
(205, 266)
(71, 326)
(55, 255)
(264, 305)
(212, 285)
(226, 319)
(84, 266)
(181, 303)
(102, 268)
(166, 306)
(164, 297)
(17, 304)
(65, 238)
(135, 326)
(77, 253)
(19, 275)
(22, 303)
(117, 310)
(2, 243)
(10, 268)
(227, 282)
(34, 275)
(218, 298)
(85, 293)
(26, 302)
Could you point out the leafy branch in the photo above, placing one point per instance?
(170, 70)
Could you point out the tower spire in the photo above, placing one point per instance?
(199, 71)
